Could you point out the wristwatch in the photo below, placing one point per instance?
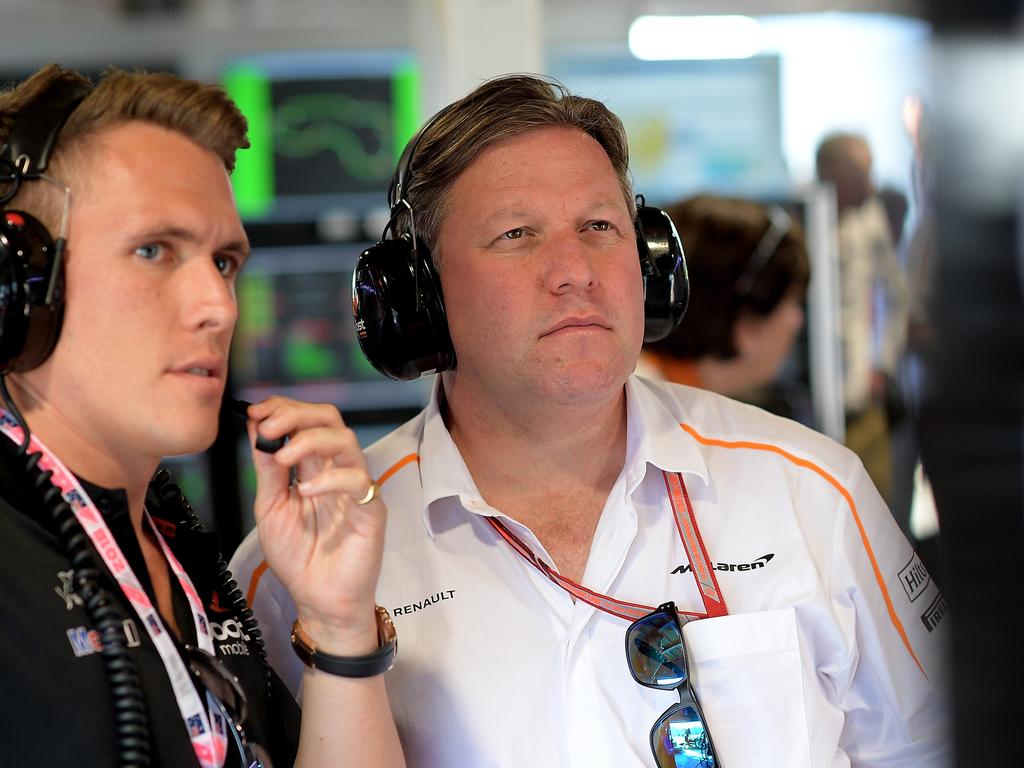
(350, 666)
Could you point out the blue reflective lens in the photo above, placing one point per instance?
(654, 648)
(679, 740)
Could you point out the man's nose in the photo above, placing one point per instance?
(208, 296)
(569, 263)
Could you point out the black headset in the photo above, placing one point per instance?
(399, 310)
(31, 270)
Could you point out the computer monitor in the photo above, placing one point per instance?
(326, 129)
(296, 336)
(693, 126)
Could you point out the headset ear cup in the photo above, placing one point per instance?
(399, 311)
(29, 327)
(12, 303)
(663, 266)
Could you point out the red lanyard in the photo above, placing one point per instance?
(689, 534)
(207, 728)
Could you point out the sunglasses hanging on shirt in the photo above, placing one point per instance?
(657, 659)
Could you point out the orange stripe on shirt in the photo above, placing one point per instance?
(387, 473)
(256, 576)
(893, 616)
(384, 477)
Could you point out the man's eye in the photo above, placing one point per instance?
(600, 226)
(149, 252)
(226, 265)
(513, 234)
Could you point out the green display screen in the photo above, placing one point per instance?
(320, 126)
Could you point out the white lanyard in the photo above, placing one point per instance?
(210, 744)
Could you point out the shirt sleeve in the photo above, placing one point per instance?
(895, 702)
(273, 607)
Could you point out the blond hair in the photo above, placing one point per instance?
(199, 111)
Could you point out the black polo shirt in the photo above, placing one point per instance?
(56, 705)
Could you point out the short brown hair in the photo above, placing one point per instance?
(501, 108)
(720, 235)
(198, 111)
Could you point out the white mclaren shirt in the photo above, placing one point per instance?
(831, 655)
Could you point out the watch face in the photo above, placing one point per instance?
(302, 649)
(385, 627)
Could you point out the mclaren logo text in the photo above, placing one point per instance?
(761, 562)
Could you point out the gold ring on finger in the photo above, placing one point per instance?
(372, 493)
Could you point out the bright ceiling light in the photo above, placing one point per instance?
(695, 37)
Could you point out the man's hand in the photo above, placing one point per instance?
(325, 548)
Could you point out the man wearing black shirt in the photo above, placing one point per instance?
(124, 640)
(49, 649)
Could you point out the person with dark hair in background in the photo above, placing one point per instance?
(873, 305)
(551, 511)
(125, 640)
(749, 269)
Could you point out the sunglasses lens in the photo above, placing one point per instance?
(654, 648)
(219, 681)
(679, 740)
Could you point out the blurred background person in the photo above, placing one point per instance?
(911, 500)
(749, 272)
(873, 306)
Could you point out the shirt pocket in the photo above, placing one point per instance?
(746, 670)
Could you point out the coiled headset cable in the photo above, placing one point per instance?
(173, 501)
(131, 715)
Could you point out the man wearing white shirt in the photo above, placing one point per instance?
(545, 493)
(873, 304)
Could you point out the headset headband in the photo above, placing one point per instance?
(400, 178)
(779, 224)
(35, 131)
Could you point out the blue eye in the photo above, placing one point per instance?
(150, 251)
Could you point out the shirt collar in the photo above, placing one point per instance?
(653, 436)
(443, 472)
(111, 502)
